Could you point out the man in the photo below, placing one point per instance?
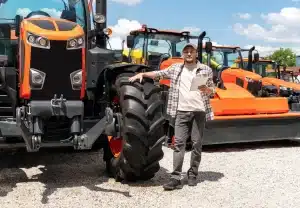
(190, 109)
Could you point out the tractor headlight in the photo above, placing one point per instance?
(37, 79)
(37, 41)
(76, 79)
(285, 91)
(75, 43)
(285, 88)
(282, 88)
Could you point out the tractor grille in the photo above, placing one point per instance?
(58, 63)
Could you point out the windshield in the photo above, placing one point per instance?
(161, 44)
(226, 56)
(67, 9)
(263, 68)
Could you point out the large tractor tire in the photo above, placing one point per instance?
(143, 119)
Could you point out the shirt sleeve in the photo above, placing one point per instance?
(210, 82)
(165, 73)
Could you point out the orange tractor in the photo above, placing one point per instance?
(240, 116)
(272, 80)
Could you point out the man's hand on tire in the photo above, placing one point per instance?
(138, 76)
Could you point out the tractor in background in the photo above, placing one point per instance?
(62, 87)
(255, 81)
(275, 81)
(240, 116)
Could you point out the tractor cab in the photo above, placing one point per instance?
(152, 46)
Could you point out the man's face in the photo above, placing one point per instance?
(189, 54)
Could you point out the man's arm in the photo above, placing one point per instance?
(163, 74)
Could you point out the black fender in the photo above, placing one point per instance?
(106, 77)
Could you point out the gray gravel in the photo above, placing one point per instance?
(230, 177)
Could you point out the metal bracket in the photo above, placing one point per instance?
(87, 140)
(109, 114)
(58, 103)
(32, 141)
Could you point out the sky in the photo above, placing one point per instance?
(266, 24)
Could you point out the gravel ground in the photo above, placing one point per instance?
(259, 175)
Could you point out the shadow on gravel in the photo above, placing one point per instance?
(55, 170)
(251, 146)
(163, 177)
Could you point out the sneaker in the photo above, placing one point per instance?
(173, 184)
(192, 181)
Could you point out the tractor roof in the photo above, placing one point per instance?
(261, 60)
(224, 47)
(158, 31)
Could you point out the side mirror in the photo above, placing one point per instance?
(208, 47)
(256, 57)
(130, 41)
(18, 21)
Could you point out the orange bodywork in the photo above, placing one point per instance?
(280, 82)
(27, 26)
(165, 64)
(230, 75)
(235, 100)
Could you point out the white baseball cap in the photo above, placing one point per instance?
(190, 45)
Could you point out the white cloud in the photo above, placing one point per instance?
(283, 27)
(52, 12)
(245, 16)
(268, 50)
(121, 30)
(23, 11)
(128, 2)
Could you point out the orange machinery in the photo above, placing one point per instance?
(240, 116)
(271, 74)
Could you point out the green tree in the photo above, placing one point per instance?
(285, 57)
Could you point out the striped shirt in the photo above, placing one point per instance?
(173, 73)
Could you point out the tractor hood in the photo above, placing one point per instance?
(240, 73)
(52, 28)
(281, 83)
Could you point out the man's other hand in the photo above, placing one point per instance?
(205, 89)
(135, 77)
